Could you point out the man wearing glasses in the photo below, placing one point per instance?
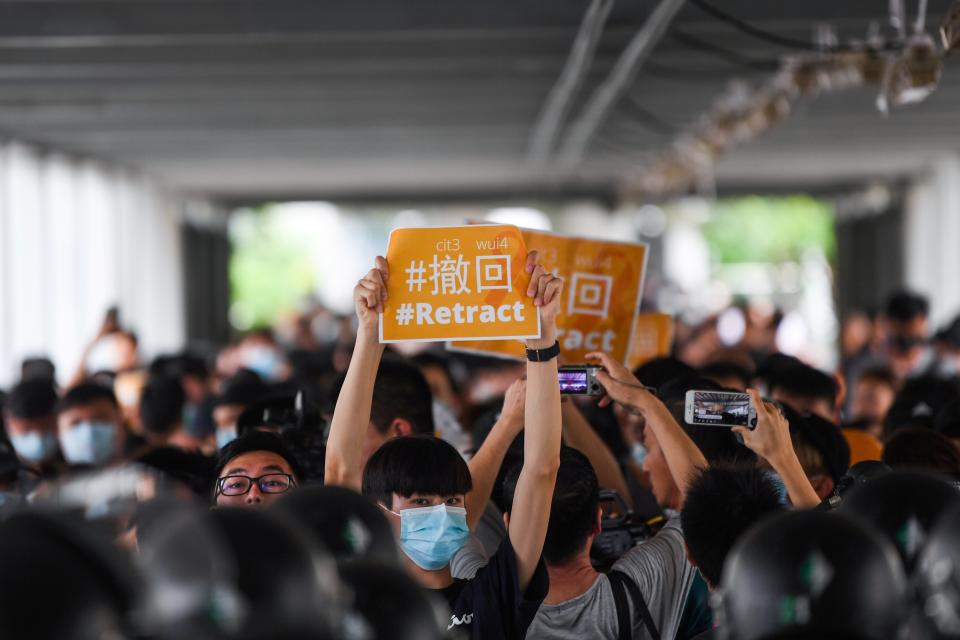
(254, 470)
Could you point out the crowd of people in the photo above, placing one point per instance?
(322, 486)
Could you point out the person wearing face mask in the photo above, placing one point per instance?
(90, 426)
(432, 497)
(31, 425)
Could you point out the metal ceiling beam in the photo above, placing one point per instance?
(605, 97)
(555, 109)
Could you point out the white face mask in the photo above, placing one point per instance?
(89, 442)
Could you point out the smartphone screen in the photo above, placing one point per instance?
(720, 408)
(573, 381)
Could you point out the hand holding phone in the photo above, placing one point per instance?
(720, 409)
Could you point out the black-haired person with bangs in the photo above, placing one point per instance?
(428, 492)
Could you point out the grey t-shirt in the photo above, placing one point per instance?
(662, 572)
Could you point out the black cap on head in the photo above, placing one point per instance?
(903, 505)
(32, 399)
(812, 574)
(391, 602)
(919, 402)
(349, 525)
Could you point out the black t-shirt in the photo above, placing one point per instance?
(491, 605)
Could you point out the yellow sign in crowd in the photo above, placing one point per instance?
(466, 286)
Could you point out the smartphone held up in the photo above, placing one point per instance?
(720, 409)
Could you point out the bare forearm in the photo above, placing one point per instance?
(683, 456)
(352, 415)
(581, 436)
(484, 467)
(801, 492)
(541, 460)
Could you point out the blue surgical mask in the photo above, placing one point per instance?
(226, 435)
(638, 453)
(266, 362)
(89, 442)
(430, 536)
(35, 446)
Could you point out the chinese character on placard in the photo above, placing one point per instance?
(449, 276)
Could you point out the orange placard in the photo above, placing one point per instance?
(652, 338)
(450, 283)
(604, 281)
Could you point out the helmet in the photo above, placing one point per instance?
(58, 581)
(938, 580)
(390, 604)
(812, 574)
(349, 525)
(903, 505)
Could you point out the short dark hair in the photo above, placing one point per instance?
(727, 369)
(32, 399)
(161, 404)
(881, 374)
(86, 393)
(805, 381)
(907, 305)
(659, 371)
(919, 401)
(921, 448)
(573, 513)
(722, 502)
(819, 444)
(257, 441)
(401, 391)
(415, 464)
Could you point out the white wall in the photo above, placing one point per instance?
(77, 236)
(932, 238)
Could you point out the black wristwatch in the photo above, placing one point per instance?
(544, 355)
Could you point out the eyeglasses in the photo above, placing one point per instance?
(270, 483)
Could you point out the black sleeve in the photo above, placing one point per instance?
(502, 609)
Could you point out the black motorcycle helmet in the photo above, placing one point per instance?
(938, 580)
(903, 505)
(390, 604)
(349, 525)
(58, 581)
(282, 573)
(812, 574)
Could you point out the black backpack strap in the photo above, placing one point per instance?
(623, 581)
(624, 625)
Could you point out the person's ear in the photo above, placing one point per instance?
(597, 526)
(400, 427)
(506, 521)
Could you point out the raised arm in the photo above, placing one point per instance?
(344, 459)
(486, 463)
(530, 512)
(581, 436)
(683, 457)
(771, 441)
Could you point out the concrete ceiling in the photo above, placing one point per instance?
(253, 99)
